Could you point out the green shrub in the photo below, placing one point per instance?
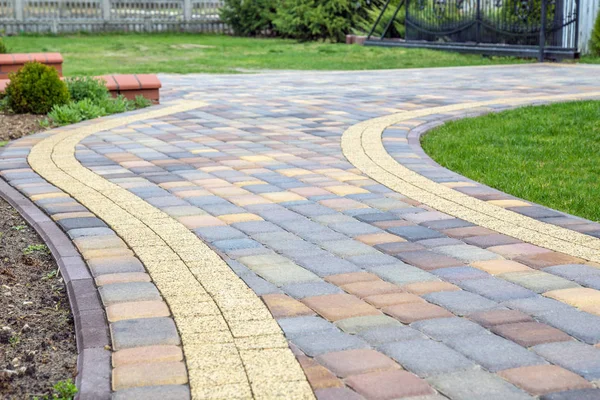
(3, 48)
(35, 88)
(86, 87)
(249, 17)
(65, 115)
(321, 19)
(595, 40)
(116, 105)
(88, 109)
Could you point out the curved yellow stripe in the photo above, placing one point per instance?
(233, 346)
(362, 145)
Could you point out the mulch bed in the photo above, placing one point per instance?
(37, 336)
(15, 126)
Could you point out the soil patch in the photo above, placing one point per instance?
(37, 336)
(15, 126)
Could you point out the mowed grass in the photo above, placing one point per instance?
(189, 53)
(546, 154)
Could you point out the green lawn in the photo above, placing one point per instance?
(188, 53)
(546, 154)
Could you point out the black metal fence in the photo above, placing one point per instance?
(533, 28)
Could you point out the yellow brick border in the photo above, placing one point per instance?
(362, 145)
(233, 346)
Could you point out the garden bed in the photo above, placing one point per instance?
(15, 126)
(37, 335)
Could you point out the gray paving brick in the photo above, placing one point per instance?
(578, 357)
(215, 233)
(573, 271)
(373, 260)
(348, 248)
(166, 392)
(387, 334)
(496, 289)
(143, 332)
(494, 353)
(77, 223)
(131, 291)
(259, 285)
(236, 244)
(444, 328)
(254, 227)
(414, 233)
(461, 302)
(476, 384)
(84, 232)
(302, 326)
(354, 228)
(112, 265)
(376, 217)
(458, 274)
(538, 281)
(308, 289)
(537, 306)
(326, 342)
(426, 357)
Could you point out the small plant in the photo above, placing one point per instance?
(88, 109)
(3, 143)
(86, 87)
(14, 339)
(3, 48)
(116, 105)
(64, 390)
(32, 248)
(35, 88)
(50, 275)
(19, 227)
(141, 102)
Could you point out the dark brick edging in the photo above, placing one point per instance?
(91, 328)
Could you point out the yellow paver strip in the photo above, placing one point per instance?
(362, 145)
(233, 346)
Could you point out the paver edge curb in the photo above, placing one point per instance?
(90, 382)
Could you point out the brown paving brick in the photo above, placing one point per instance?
(420, 288)
(355, 362)
(485, 241)
(318, 376)
(548, 259)
(153, 374)
(389, 299)
(499, 317)
(542, 379)
(351, 277)
(411, 312)
(339, 306)
(370, 288)
(283, 306)
(529, 334)
(147, 354)
(428, 260)
(136, 309)
(467, 231)
(387, 385)
(392, 224)
(124, 277)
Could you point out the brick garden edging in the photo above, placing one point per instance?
(93, 361)
(13, 62)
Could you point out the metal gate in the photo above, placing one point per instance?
(530, 28)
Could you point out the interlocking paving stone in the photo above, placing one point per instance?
(461, 302)
(544, 379)
(165, 392)
(389, 385)
(300, 326)
(402, 274)
(444, 328)
(355, 325)
(466, 253)
(144, 332)
(458, 274)
(579, 394)
(414, 233)
(354, 362)
(337, 394)
(429, 260)
(411, 312)
(328, 265)
(426, 357)
(578, 357)
(335, 307)
(309, 289)
(327, 342)
(476, 384)
(529, 334)
(538, 282)
(499, 317)
(387, 334)
(131, 291)
(496, 289)
(494, 353)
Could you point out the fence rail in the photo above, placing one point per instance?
(63, 16)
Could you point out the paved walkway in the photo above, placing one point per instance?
(284, 236)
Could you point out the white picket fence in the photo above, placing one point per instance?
(59, 16)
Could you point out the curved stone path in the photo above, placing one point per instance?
(389, 276)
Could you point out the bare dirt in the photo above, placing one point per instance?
(15, 126)
(37, 336)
